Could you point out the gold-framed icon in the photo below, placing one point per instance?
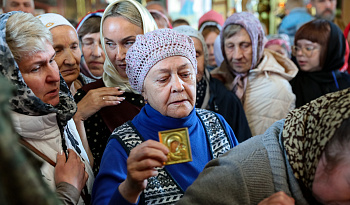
(178, 142)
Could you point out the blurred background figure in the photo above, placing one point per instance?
(319, 50)
(161, 20)
(296, 16)
(280, 44)
(219, 58)
(159, 6)
(93, 57)
(180, 22)
(326, 9)
(210, 25)
(18, 5)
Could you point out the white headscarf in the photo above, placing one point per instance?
(51, 20)
(111, 77)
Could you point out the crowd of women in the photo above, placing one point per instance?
(91, 101)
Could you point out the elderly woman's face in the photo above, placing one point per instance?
(332, 186)
(170, 87)
(239, 51)
(68, 54)
(119, 35)
(40, 73)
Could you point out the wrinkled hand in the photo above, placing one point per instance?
(96, 99)
(71, 171)
(279, 198)
(141, 164)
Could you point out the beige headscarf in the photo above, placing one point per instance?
(111, 77)
(308, 129)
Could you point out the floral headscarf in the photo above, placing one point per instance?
(25, 101)
(308, 129)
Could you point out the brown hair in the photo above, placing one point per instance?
(91, 25)
(180, 22)
(317, 31)
(209, 29)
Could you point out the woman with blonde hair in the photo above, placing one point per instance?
(114, 100)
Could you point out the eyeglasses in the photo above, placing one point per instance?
(306, 50)
(90, 43)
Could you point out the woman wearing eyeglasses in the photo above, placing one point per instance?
(319, 50)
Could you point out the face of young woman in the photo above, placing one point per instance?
(119, 36)
(308, 55)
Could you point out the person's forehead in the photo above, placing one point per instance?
(19, 1)
(240, 36)
(304, 42)
(157, 7)
(45, 55)
(324, 1)
(170, 63)
(197, 43)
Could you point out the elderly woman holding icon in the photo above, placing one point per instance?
(132, 170)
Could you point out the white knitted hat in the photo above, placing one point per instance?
(153, 47)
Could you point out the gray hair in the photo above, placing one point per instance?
(231, 30)
(26, 35)
(128, 11)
